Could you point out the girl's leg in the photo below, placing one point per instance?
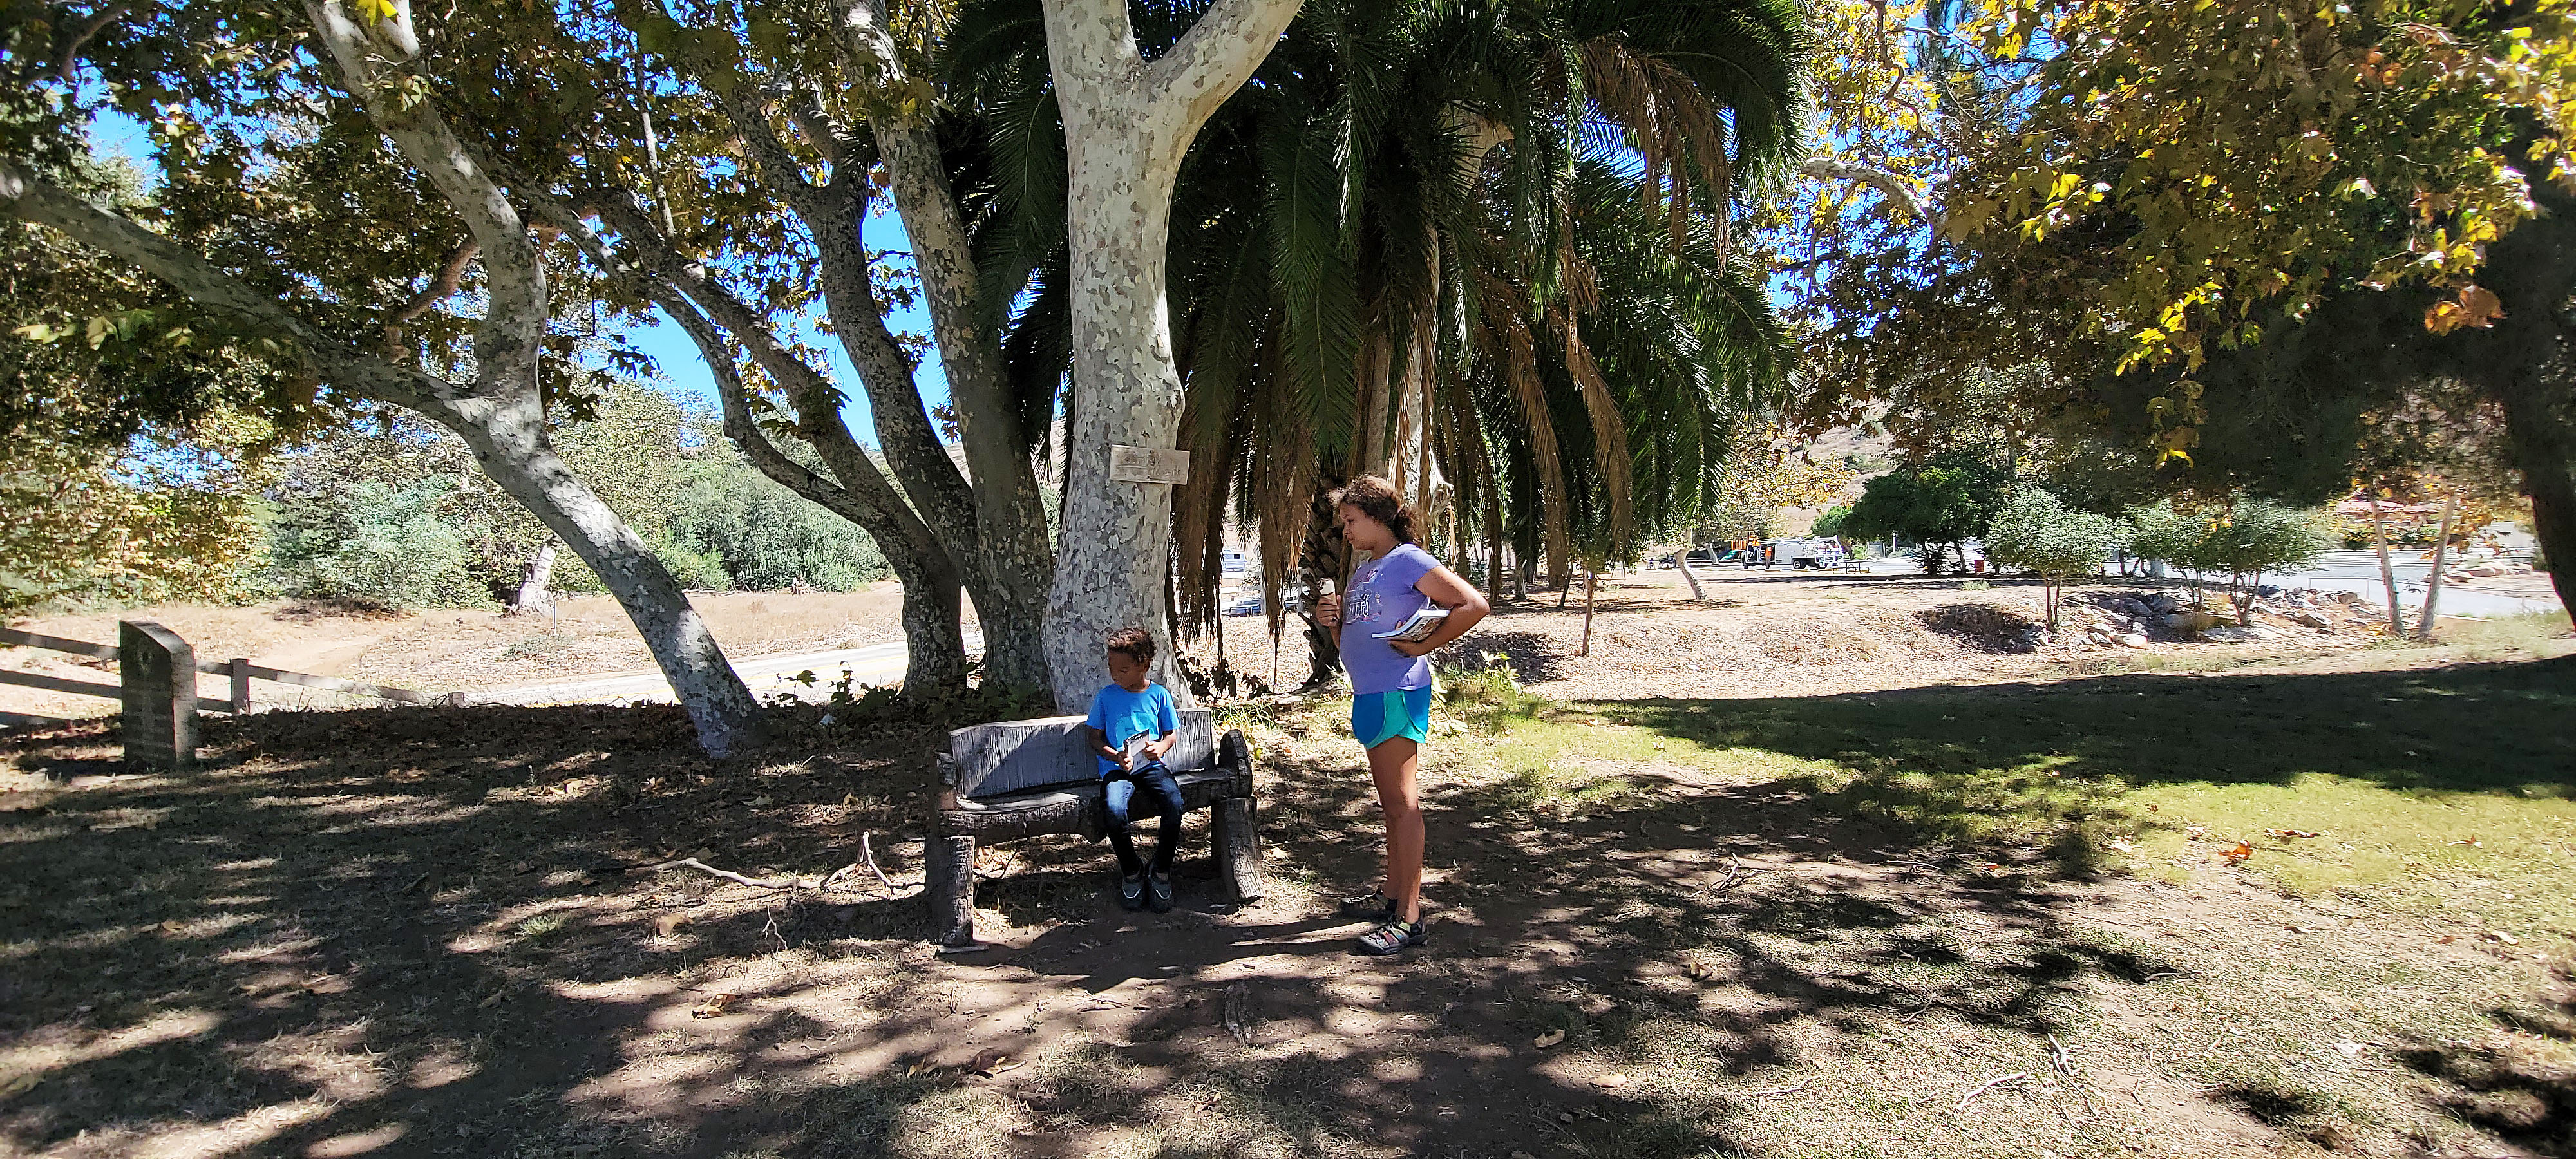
(1392, 764)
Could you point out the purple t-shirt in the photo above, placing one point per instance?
(1382, 596)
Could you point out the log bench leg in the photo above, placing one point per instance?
(1238, 846)
(950, 873)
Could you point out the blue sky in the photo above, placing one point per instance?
(679, 360)
(115, 133)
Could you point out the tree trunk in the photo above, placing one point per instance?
(509, 441)
(2387, 571)
(536, 582)
(1493, 535)
(1591, 584)
(2433, 590)
(2540, 419)
(1681, 560)
(1127, 124)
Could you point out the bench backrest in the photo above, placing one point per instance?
(1013, 756)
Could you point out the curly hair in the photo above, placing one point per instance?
(1376, 498)
(1136, 643)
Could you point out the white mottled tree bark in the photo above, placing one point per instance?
(535, 595)
(1127, 123)
(499, 414)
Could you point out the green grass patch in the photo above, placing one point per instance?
(2401, 770)
(2509, 637)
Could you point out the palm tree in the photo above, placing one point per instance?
(1481, 248)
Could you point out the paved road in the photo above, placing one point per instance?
(765, 675)
(2358, 571)
(2349, 571)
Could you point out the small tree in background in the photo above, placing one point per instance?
(1830, 524)
(2170, 535)
(1940, 503)
(2036, 532)
(2257, 536)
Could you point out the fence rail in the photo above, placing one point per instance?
(163, 675)
(57, 644)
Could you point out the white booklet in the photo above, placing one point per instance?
(1417, 627)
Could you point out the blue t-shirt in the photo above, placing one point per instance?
(1120, 714)
(1382, 597)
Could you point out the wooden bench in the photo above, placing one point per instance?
(1022, 778)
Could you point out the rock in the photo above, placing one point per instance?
(2313, 620)
(2133, 640)
(2164, 602)
(2347, 597)
(2191, 620)
(2486, 571)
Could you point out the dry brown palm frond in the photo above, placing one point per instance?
(1609, 433)
(1519, 361)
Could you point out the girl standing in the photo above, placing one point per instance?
(1391, 686)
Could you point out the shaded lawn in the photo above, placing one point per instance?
(1778, 928)
(2467, 770)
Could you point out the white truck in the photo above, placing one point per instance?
(1823, 553)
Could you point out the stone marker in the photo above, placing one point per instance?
(158, 674)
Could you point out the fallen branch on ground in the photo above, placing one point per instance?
(1777, 1091)
(1991, 1084)
(868, 857)
(727, 874)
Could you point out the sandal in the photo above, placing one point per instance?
(1373, 905)
(1395, 935)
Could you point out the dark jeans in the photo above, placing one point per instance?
(1151, 786)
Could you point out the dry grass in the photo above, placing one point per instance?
(1794, 927)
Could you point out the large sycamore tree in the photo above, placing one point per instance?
(317, 206)
(2233, 242)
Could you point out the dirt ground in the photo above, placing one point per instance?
(1782, 633)
(451, 651)
(1757, 634)
(1697, 928)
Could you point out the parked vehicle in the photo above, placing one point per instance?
(1821, 553)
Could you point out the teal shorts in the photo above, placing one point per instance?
(1379, 717)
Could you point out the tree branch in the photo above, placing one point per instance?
(450, 273)
(68, 55)
(1888, 183)
(509, 341)
(1218, 54)
(33, 199)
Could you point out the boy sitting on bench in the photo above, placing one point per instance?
(1133, 723)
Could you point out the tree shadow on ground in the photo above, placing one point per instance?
(2492, 728)
(440, 931)
(2513, 1088)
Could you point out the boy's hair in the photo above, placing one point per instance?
(1137, 643)
(1376, 498)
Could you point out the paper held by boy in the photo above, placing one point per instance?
(1148, 465)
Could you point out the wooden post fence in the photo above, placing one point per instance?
(157, 687)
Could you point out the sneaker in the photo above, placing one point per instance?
(1161, 886)
(1131, 891)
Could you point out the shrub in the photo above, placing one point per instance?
(766, 537)
(375, 543)
(1941, 503)
(1830, 524)
(2035, 532)
(2256, 536)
